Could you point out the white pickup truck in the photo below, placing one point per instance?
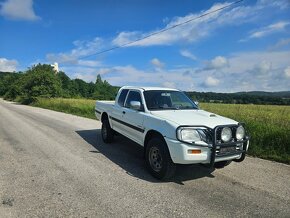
(172, 129)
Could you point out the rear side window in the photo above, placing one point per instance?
(122, 97)
(133, 96)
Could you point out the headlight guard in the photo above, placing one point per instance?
(213, 135)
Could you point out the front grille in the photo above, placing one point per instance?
(229, 150)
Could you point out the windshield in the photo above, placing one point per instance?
(167, 100)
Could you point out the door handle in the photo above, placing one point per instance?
(123, 112)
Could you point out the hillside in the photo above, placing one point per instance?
(283, 94)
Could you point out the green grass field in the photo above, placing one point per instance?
(80, 107)
(268, 125)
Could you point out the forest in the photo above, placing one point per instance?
(42, 81)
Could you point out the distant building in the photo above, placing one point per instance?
(55, 67)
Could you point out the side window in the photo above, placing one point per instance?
(133, 96)
(122, 97)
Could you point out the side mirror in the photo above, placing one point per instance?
(196, 103)
(136, 105)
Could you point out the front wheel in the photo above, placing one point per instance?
(158, 160)
(107, 132)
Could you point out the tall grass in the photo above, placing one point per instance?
(268, 125)
(80, 107)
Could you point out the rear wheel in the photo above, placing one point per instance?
(158, 160)
(107, 132)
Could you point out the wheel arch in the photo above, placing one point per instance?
(151, 134)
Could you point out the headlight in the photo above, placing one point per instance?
(240, 133)
(188, 135)
(193, 134)
(226, 134)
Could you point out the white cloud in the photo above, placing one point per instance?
(129, 75)
(88, 74)
(126, 37)
(167, 84)
(18, 10)
(8, 65)
(245, 61)
(103, 71)
(255, 71)
(263, 67)
(202, 27)
(264, 31)
(88, 77)
(157, 63)
(218, 62)
(89, 63)
(211, 81)
(287, 72)
(282, 43)
(72, 60)
(186, 33)
(188, 54)
(247, 71)
(281, 4)
(82, 48)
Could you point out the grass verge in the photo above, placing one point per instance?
(80, 107)
(268, 125)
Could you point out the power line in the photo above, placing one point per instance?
(161, 31)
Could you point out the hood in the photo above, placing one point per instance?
(193, 117)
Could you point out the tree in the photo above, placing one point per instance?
(41, 81)
(103, 90)
(99, 79)
(80, 88)
(7, 80)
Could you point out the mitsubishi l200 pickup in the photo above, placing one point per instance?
(172, 129)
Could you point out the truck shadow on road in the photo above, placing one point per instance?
(130, 156)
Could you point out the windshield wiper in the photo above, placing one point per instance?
(169, 108)
(164, 108)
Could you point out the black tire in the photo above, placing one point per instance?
(107, 132)
(242, 158)
(158, 160)
(222, 164)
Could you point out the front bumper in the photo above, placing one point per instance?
(179, 151)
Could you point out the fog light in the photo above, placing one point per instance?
(226, 134)
(194, 151)
(240, 133)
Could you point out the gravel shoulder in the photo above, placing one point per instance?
(55, 165)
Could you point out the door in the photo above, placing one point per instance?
(117, 112)
(133, 119)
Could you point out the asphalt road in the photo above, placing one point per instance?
(55, 165)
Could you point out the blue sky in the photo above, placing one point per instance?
(243, 48)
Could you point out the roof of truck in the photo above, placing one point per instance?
(146, 88)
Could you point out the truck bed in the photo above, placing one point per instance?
(102, 106)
